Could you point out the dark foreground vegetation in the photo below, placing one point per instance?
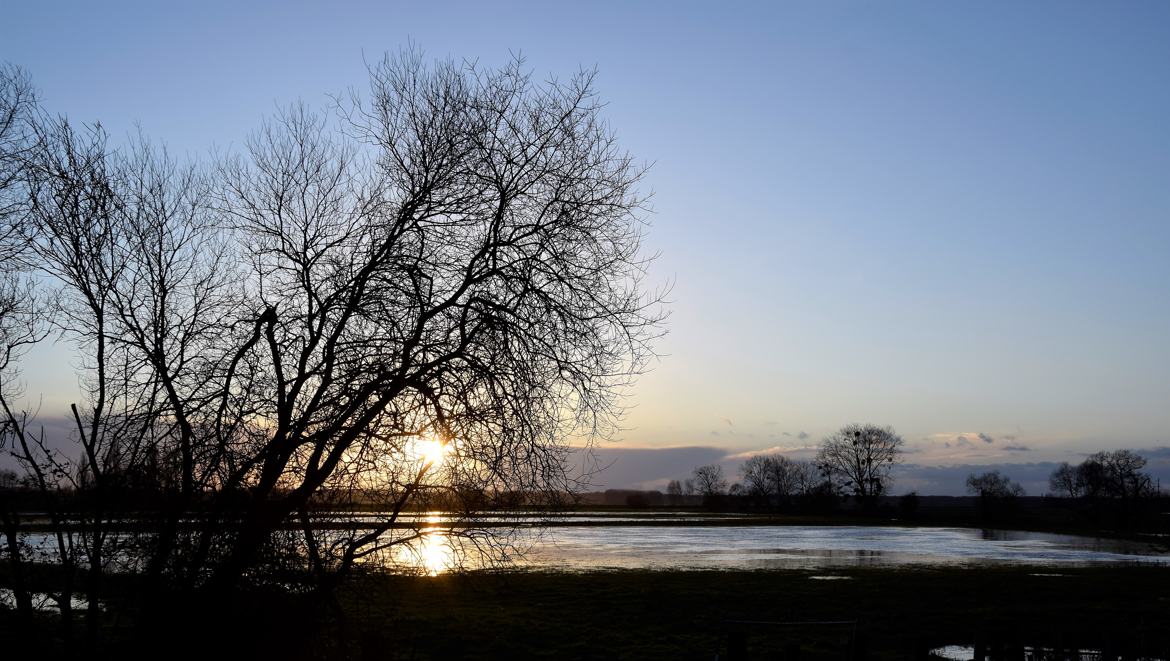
(870, 613)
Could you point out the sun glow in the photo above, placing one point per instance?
(434, 554)
(430, 451)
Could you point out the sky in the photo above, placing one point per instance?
(949, 218)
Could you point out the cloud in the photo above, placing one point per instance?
(970, 445)
(802, 436)
(59, 436)
(796, 452)
(951, 480)
(1157, 453)
(614, 467)
(728, 421)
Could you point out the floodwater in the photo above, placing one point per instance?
(1031, 653)
(814, 547)
(590, 541)
(729, 546)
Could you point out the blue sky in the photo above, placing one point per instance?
(950, 218)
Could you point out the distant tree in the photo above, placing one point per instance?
(1113, 474)
(674, 489)
(1066, 481)
(1091, 476)
(777, 476)
(993, 485)
(709, 480)
(9, 479)
(806, 477)
(1121, 473)
(735, 490)
(908, 504)
(997, 494)
(858, 458)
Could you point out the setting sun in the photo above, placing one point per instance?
(430, 451)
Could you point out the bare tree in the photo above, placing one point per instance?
(858, 458)
(709, 480)
(1066, 481)
(993, 485)
(777, 476)
(1109, 474)
(1123, 474)
(17, 107)
(419, 299)
(997, 493)
(20, 324)
(674, 492)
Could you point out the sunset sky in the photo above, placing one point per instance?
(949, 218)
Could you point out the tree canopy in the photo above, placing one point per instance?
(424, 292)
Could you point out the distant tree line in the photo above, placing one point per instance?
(1117, 475)
(853, 462)
(856, 461)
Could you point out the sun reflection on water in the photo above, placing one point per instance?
(432, 553)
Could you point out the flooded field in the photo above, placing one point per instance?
(729, 546)
(587, 541)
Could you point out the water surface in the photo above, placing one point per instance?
(730, 546)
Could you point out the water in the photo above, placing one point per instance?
(681, 541)
(1032, 653)
(698, 547)
(815, 547)
(42, 601)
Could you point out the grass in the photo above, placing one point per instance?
(897, 613)
(690, 615)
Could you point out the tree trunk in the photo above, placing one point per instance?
(20, 592)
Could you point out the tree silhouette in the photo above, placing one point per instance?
(777, 476)
(858, 458)
(1108, 474)
(452, 262)
(993, 485)
(709, 481)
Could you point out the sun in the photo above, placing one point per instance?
(430, 451)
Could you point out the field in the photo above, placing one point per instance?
(871, 613)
